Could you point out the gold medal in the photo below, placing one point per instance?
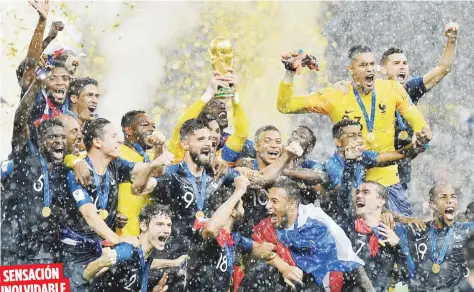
(436, 268)
(199, 214)
(370, 137)
(46, 212)
(103, 214)
(403, 135)
(382, 243)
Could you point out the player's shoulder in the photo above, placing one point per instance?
(393, 87)
(329, 92)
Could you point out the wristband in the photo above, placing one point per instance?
(235, 98)
(208, 95)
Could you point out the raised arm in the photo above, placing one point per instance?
(435, 75)
(311, 176)
(35, 49)
(318, 102)
(21, 132)
(105, 261)
(391, 157)
(143, 182)
(221, 216)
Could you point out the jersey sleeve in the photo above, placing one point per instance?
(407, 109)
(125, 169)
(191, 112)
(369, 158)
(235, 143)
(80, 195)
(416, 88)
(124, 252)
(318, 102)
(163, 190)
(69, 159)
(334, 173)
(229, 177)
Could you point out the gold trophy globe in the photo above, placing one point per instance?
(222, 57)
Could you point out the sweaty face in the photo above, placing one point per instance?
(303, 137)
(269, 146)
(215, 132)
(159, 230)
(110, 141)
(199, 146)
(367, 200)
(397, 69)
(57, 85)
(52, 145)
(363, 70)
(142, 128)
(216, 109)
(445, 204)
(73, 133)
(87, 102)
(350, 134)
(278, 206)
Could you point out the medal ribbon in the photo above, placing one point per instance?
(200, 195)
(358, 173)
(142, 152)
(47, 193)
(369, 122)
(444, 248)
(145, 267)
(103, 195)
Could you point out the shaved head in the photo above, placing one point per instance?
(73, 133)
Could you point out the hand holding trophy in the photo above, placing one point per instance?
(222, 57)
(294, 61)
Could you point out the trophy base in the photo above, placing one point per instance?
(225, 92)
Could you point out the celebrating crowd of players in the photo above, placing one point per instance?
(215, 211)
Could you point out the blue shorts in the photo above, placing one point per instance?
(398, 200)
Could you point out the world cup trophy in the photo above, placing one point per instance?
(222, 57)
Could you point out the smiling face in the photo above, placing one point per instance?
(57, 85)
(278, 207)
(199, 145)
(158, 230)
(367, 200)
(73, 133)
(362, 69)
(444, 203)
(396, 68)
(86, 103)
(52, 144)
(216, 109)
(269, 146)
(141, 129)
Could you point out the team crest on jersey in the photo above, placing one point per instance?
(382, 108)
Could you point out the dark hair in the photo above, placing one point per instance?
(264, 129)
(206, 119)
(190, 126)
(93, 129)
(337, 129)
(293, 189)
(129, 118)
(220, 196)
(45, 125)
(390, 52)
(152, 209)
(381, 191)
(313, 137)
(78, 85)
(359, 49)
(434, 190)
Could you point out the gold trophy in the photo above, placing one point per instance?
(222, 57)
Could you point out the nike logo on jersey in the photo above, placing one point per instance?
(348, 112)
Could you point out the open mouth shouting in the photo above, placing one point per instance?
(370, 80)
(449, 213)
(59, 95)
(273, 217)
(273, 154)
(161, 241)
(401, 77)
(92, 108)
(58, 152)
(360, 203)
(222, 115)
